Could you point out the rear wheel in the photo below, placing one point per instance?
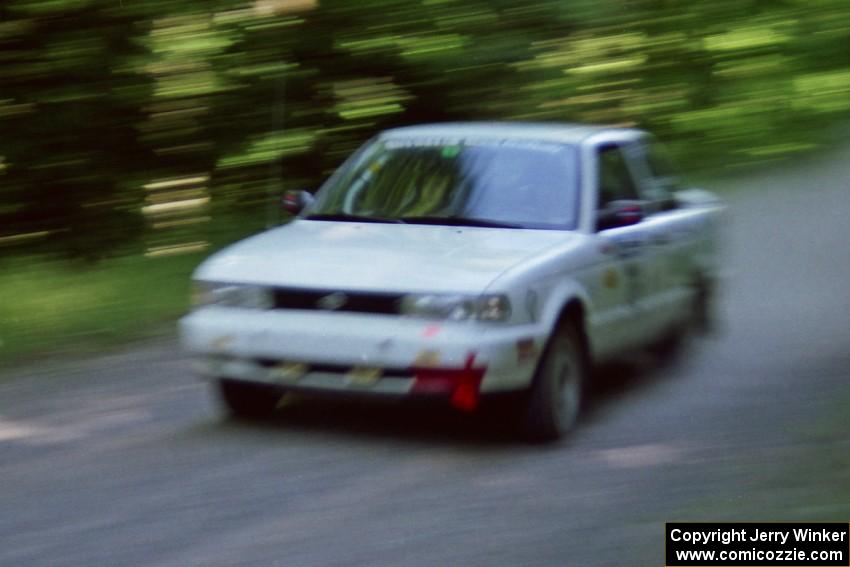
(703, 318)
(699, 319)
(556, 397)
(244, 399)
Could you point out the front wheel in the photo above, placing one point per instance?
(243, 399)
(555, 399)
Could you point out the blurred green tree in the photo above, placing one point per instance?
(68, 105)
(135, 118)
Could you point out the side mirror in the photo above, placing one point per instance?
(294, 202)
(619, 213)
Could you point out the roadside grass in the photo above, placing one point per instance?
(51, 307)
(58, 307)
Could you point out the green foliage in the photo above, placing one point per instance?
(102, 100)
(61, 306)
(68, 104)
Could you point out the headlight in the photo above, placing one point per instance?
(231, 295)
(456, 307)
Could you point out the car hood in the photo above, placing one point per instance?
(378, 257)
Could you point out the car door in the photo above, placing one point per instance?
(669, 233)
(621, 288)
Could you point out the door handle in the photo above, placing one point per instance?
(627, 247)
(661, 239)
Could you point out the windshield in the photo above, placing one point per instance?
(504, 183)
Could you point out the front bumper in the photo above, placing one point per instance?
(358, 353)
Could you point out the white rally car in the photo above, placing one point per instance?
(456, 261)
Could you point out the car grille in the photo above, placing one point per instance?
(358, 302)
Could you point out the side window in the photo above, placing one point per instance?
(662, 179)
(615, 179)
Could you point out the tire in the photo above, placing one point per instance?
(698, 321)
(703, 317)
(671, 343)
(243, 399)
(554, 402)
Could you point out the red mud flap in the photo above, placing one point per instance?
(462, 385)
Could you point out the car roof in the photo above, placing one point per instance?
(564, 133)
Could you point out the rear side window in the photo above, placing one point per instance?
(660, 179)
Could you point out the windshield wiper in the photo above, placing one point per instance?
(350, 218)
(459, 221)
(447, 221)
